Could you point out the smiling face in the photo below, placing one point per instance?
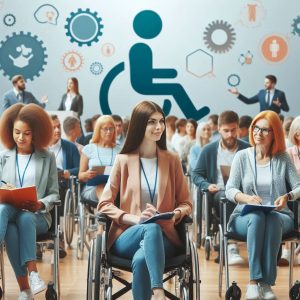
(155, 127)
(206, 132)
(22, 135)
(262, 133)
(190, 129)
(107, 132)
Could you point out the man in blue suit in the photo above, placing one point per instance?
(268, 98)
(18, 94)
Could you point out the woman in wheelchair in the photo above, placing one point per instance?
(149, 180)
(26, 132)
(101, 151)
(260, 175)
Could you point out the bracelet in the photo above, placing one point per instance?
(290, 196)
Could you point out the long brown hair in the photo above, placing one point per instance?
(137, 126)
(76, 85)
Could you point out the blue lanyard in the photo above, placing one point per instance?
(111, 158)
(255, 166)
(152, 195)
(21, 180)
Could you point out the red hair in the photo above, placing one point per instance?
(278, 145)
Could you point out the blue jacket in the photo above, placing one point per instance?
(206, 171)
(10, 98)
(71, 157)
(261, 98)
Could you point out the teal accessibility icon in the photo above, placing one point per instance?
(147, 24)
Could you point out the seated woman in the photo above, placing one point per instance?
(259, 175)
(149, 179)
(101, 151)
(26, 132)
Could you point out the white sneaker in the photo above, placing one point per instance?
(37, 285)
(253, 292)
(234, 257)
(266, 291)
(26, 295)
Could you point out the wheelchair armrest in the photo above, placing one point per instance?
(102, 218)
(57, 203)
(186, 220)
(204, 191)
(224, 200)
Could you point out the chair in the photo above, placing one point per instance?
(101, 262)
(53, 236)
(226, 209)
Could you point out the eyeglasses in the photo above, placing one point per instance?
(108, 129)
(265, 131)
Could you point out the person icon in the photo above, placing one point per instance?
(274, 48)
(147, 24)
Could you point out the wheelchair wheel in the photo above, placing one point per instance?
(69, 214)
(295, 291)
(91, 271)
(207, 249)
(234, 292)
(1, 293)
(81, 239)
(194, 282)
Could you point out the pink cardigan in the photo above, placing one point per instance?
(173, 193)
(293, 152)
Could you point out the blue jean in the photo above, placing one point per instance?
(264, 234)
(19, 229)
(147, 246)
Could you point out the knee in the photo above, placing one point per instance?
(257, 219)
(139, 263)
(26, 219)
(153, 229)
(273, 221)
(4, 209)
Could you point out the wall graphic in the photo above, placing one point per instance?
(182, 54)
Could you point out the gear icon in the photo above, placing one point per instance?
(96, 68)
(72, 61)
(233, 80)
(22, 53)
(296, 26)
(212, 44)
(84, 27)
(9, 20)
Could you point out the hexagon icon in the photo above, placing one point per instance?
(199, 63)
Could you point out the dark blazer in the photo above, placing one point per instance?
(10, 98)
(206, 171)
(71, 157)
(261, 98)
(76, 106)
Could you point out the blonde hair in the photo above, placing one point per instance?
(101, 121)
(295, 127)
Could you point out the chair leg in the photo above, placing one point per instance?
(2, 269)
(221, 259)
(291, 264)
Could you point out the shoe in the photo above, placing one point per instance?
(234, 257)
(37, 285)
(39, 252)
(26, 295)
(253, 292)
(284, 259)
(266, 292)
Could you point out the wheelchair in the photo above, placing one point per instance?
(71, 209)
(184, 267)
(86, 223)
(226, 208)
(51, 236)
(205, 229)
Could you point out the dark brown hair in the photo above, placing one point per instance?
(76, 85)
(137, 126)
(34, 116)
(228, 117)
(16, 78)
(170, 122)
(70, 123)
(272, 78)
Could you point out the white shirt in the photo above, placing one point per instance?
(264, 183)
(272, 92)
(176, 141)
(149, 165)
(69, 100)
(28, 175)
(224, 158)
(57, 150)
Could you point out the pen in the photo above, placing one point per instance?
(252, 190)
(3, 181)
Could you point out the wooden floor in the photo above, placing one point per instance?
(73, 277)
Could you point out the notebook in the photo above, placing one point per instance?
(160, 216)
(252, 207)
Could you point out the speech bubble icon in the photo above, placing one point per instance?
(46, 13)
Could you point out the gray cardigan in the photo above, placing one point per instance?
(45, 177)
(242, 179)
